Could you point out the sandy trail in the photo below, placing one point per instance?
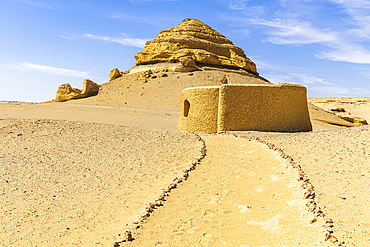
(78, 184)
(338, 165)
(242, 194)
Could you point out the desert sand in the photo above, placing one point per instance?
(241, 194)
(112, 169)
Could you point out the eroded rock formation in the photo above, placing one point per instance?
(65, 92)
(193, 42)
(114, 74)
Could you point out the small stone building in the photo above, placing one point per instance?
(228, 107)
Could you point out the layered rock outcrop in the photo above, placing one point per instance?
(65, 92)
(192, 42)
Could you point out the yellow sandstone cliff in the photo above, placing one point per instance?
(193, 38)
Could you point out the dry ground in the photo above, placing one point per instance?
(79, 176)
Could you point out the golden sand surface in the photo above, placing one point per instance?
(79, 184)
(48, 201)
(242, 194)
(356, 107)
(338, 165)
(162, 93)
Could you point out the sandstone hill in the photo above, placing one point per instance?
(191, 54)
(197, 41)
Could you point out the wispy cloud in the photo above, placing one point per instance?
(49, 69)
(296, 23)
(128, 17)
(305, 79)
(161, 19)
(68, 37)
(315, 85)
(297, 78)
(295, 32)
(333, 91)
(38, 3)
(345, 52)
(238, 5)
(122, 40)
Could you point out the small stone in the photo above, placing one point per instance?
(328, 220)
(158, 203)
(223, 80)
(313, 220)
(328, 225)
(333, 239)
(127, 236)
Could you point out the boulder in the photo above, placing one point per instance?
(90, 88)
(65, 92)
(338, 109)
(198, 41)
(187, 61)
(114, 74)
(356, 120)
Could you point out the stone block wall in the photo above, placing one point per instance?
(199, 109)
(281, 107)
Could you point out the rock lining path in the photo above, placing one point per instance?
(242, 194)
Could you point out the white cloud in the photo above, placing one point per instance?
(359, 12)
(49, 69)
(240, 5)
(344, 52)
(297, 78)
(296, 23)
(37, 3)
(128, 17)
(295, 32)
(361, 90)
(123, 40)
(333, 91)
(305, 79)
(315, 85)
(70, 37)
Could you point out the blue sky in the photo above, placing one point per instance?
(323, 45)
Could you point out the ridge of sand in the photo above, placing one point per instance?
(355, 107)
(242, 194)
(164, 91)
